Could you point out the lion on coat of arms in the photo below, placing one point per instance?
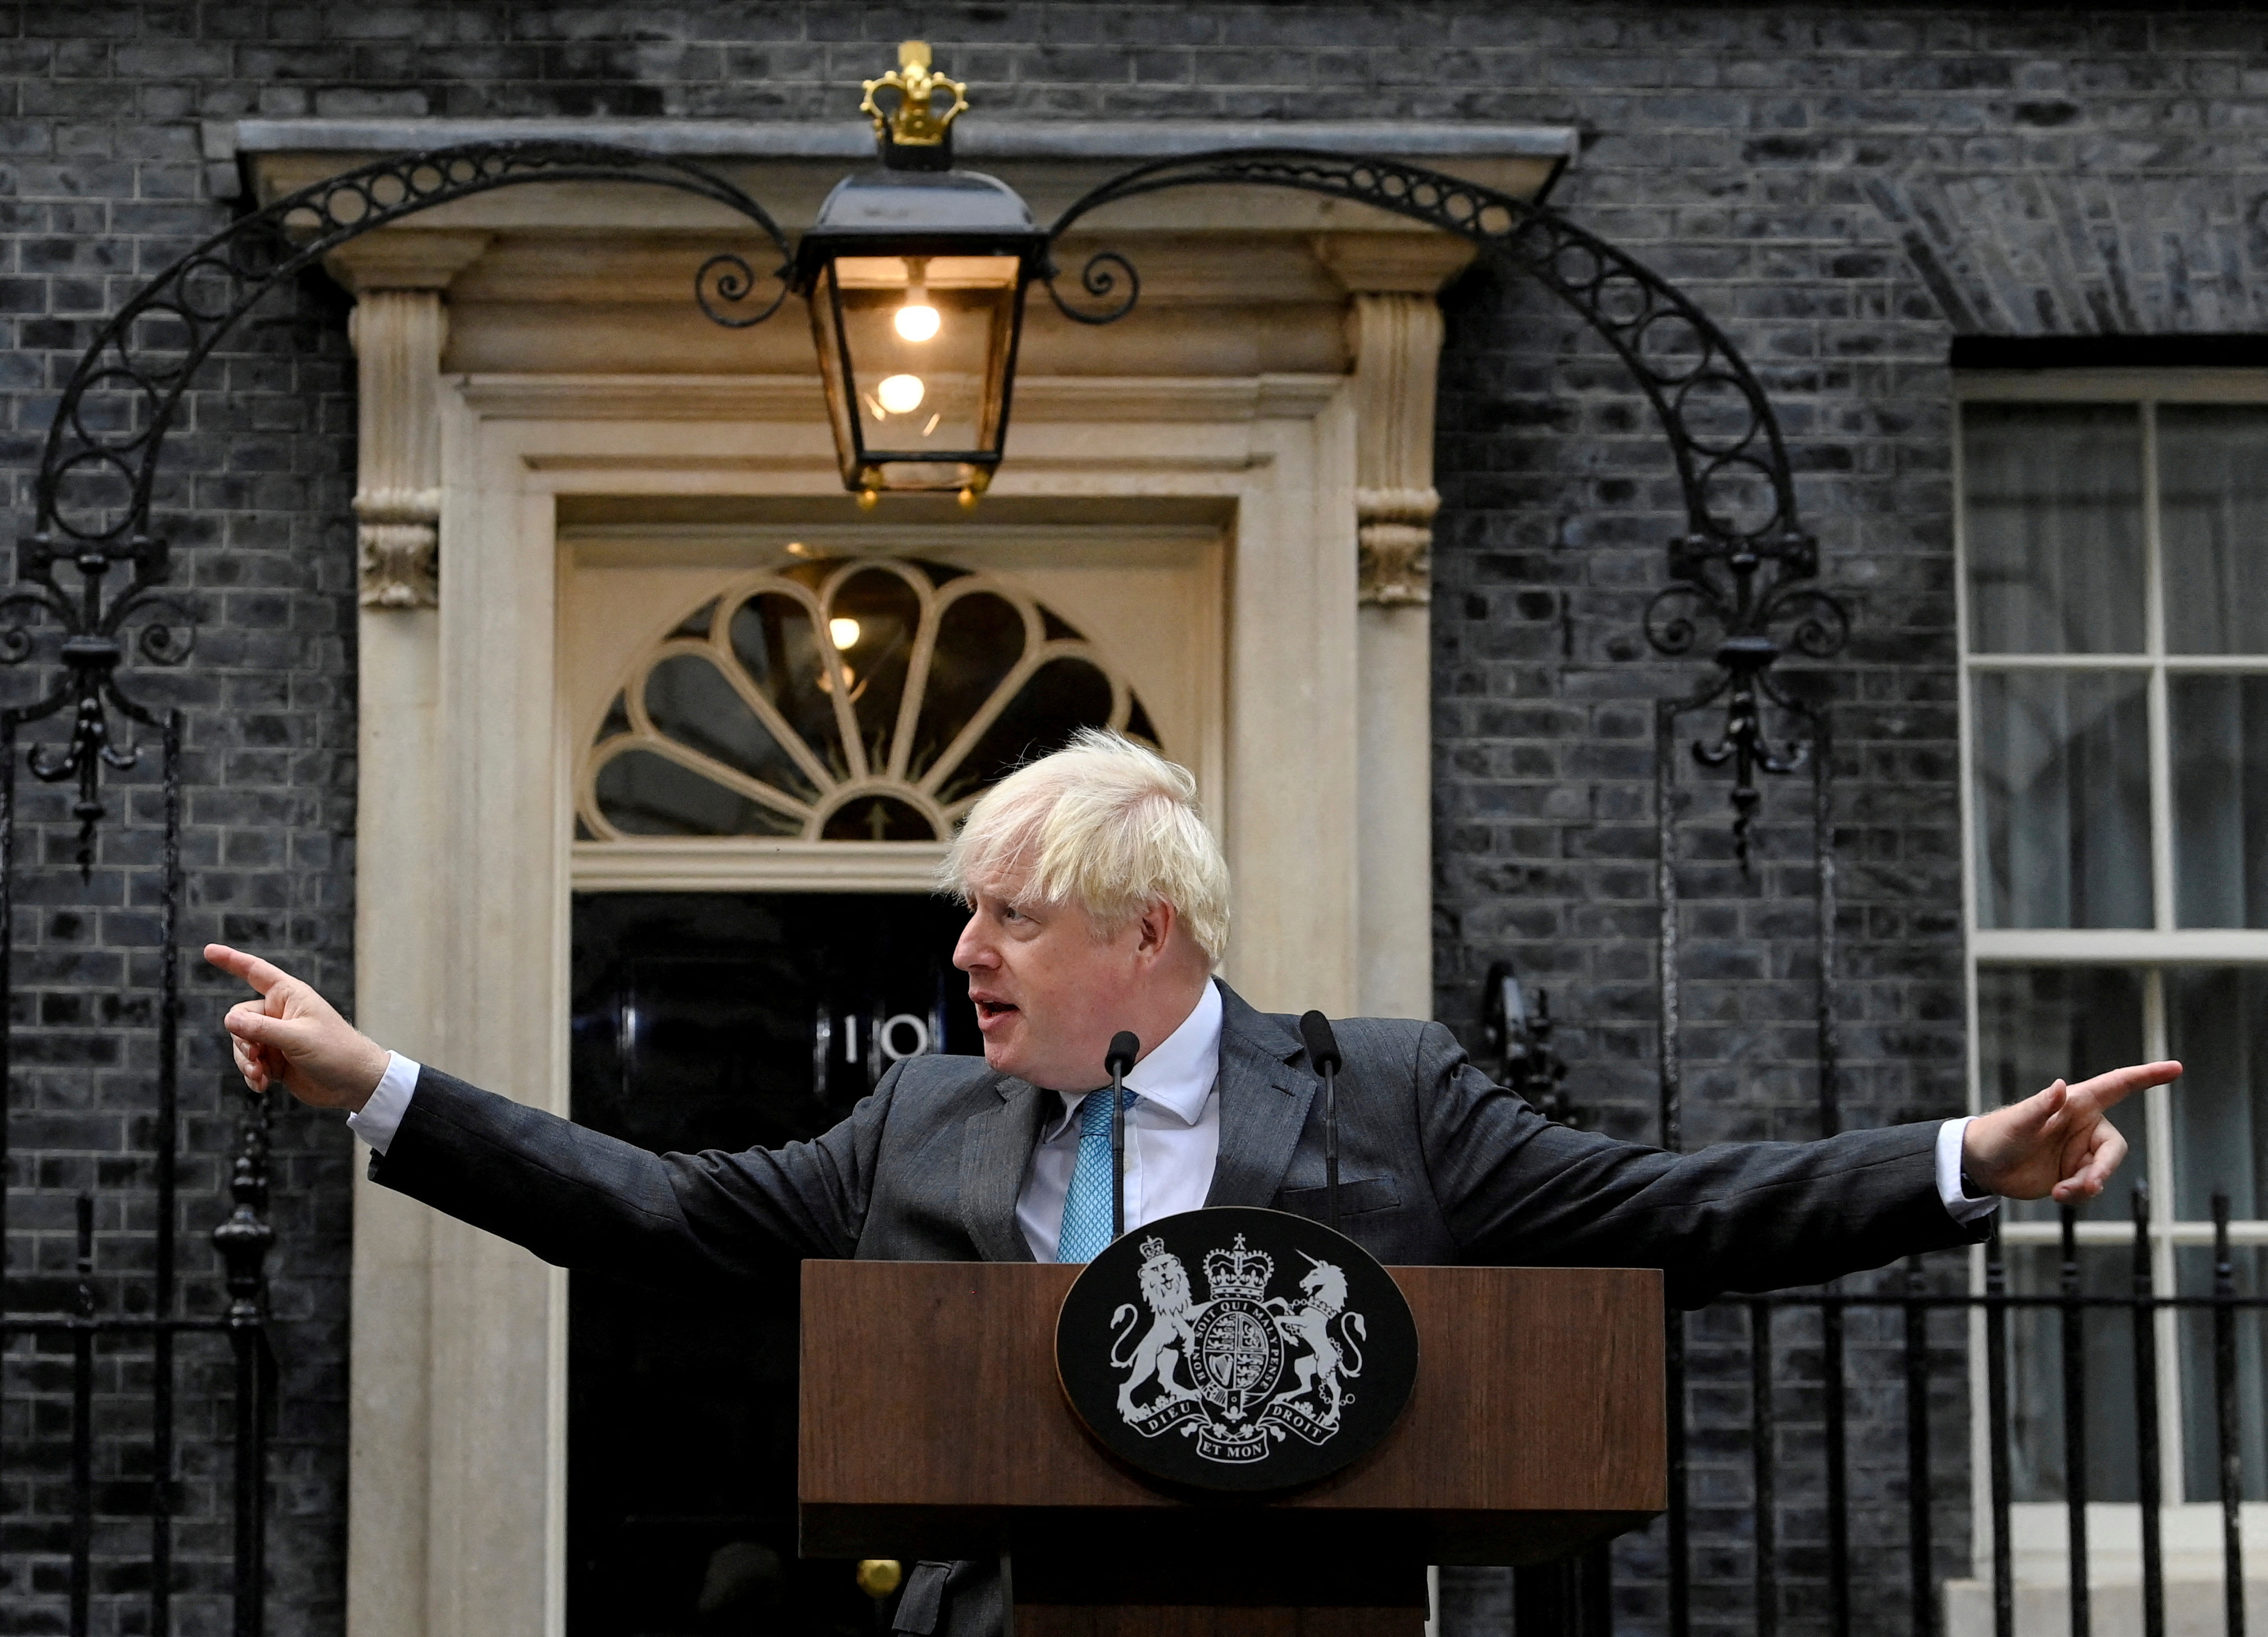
(1170, 1339)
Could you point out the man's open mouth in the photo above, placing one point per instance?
(993, 1008)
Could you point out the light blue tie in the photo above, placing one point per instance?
(1086, 1205)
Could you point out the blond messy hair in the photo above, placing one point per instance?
(1105, 824)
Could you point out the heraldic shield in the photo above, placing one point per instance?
(1235, 1349)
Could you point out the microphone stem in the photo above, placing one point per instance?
(1117, 1154)
(1331, 1142)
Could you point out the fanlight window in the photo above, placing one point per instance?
(843, 700)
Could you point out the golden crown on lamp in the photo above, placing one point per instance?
(915, 123)
(916, 273)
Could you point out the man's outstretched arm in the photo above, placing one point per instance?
(1744, 1216)
(575, 1197)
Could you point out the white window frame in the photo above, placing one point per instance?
(2190, 1529)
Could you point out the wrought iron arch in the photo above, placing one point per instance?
(1633, 309)
(98, 467)
(1714, 413)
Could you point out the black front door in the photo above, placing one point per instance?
(726, 1021)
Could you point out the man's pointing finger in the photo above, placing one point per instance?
(261, 974)
(2106, 1090)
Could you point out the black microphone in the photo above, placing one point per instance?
(1125, 1048)
(1323, 1057)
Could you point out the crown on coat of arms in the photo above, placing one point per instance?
(1239, 1272)
(1152, 1248)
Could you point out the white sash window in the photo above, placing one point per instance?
(2113, 587)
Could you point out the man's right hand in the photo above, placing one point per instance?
(291, 1037)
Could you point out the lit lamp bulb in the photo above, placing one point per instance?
(844, 631)
(916, 320)
(899, 394)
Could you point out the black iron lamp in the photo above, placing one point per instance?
(915, 273)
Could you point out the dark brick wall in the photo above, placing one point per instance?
(1844, 187)
(253, 496)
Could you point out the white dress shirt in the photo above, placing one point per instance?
(1173, 1136)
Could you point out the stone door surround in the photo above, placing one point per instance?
(539, 349)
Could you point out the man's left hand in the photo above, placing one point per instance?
(2059, 1141)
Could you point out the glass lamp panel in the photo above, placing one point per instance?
(2062, 771)
(2220, 799)
(922, 394)
(2036, 1024)
(2053, 500)
(834, 372)
(2213, 490)
(2217, 1024)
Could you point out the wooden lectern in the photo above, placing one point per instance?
(933, 1427)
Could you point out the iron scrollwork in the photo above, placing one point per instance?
(90, 650)
(1099, 278)
(98, 469)
(1722, 587)
(1731, 462)
(726, 278)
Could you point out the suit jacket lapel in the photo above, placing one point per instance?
(996, 1150)
(1263, 1104)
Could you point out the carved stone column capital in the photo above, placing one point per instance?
(1395, 529)
(397, 337)
(1396, 339)
(398, 328)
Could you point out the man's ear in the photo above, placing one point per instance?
(1158, 922)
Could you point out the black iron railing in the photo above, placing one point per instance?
(1784, 1524)
(119, 1323)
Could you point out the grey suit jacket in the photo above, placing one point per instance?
(1437, 1165)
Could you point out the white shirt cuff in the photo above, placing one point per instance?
(1958, 1205)
(381, 1117)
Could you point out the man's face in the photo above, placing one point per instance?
(1049, 991)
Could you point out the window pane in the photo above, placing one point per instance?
(2053, 505)
(642, 793)
(2217, 1023)
(2220, 799)
(2062, 799)
(2200, 1416)
(2036, 1397)
(2213, 490)
(2036, 1024)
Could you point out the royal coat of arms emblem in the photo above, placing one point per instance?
(1295, 1358)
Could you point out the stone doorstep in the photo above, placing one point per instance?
(2193, 1607)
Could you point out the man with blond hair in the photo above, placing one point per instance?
(1098, 902)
